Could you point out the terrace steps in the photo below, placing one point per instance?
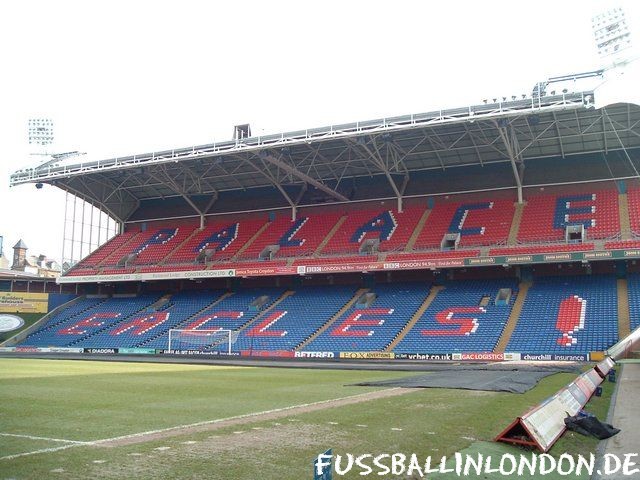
(514, 316)
(191, 318)
(330, 235)
(416, 232)
(332, 320)
(623, 211)
(624, 316)
(250, 241)
(163, 261)
(415, 317)
(515, 223)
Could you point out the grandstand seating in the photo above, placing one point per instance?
(298, 238)
(568, 315)
(633, 198)
(294, 319)
(374, 327)
(634, 300)
(79, 327)
(225, 236)
(230, 314)
(107, 249)
(561, 315)
(545, 216)
(62, 319)
(457, 322)
(162, 242)
(479, 223)
(393, 229)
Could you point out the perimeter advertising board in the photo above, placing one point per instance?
(12, 302)
(541, 426)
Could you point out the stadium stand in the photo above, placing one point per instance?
(372, 327)
(230, 313)
(152, 323)
(634, 299)
(390, 228)
(566, 315)
(561, 315)
(233, 241)
(79, 327)
(478, 223)
(462, 318)
(298, 238)
(546, 216)
(294, 319)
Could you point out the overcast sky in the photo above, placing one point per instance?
(125, 77)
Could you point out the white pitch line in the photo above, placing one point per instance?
(208, 422)
(49, 439)
(44, 450)
(236, 417)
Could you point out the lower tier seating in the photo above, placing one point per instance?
(561, 315)
(374, 326)
(568, 315)
(462, 318)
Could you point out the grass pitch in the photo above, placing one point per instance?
(51, 403)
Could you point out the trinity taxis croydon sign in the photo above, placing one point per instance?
(364, 266)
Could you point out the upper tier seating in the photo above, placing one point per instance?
(545, 217)
(161, 243)
(374, 327)
(298, 238)
(456, 321)
(393, 229)
(479, 223)
(633, 201)
(107, 249)
(225, 236)
(568, 315)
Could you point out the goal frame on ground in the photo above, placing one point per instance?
(204, 331)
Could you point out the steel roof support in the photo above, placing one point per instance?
(265, 171)
(380, 163)
(302, 176)
(176, 188)
(510, 141)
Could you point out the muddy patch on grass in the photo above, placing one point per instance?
(249, 418)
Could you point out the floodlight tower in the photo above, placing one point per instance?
(612, 35)
(40, 134)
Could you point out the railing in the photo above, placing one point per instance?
(301, 136)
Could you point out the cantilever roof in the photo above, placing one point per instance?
(515, 131)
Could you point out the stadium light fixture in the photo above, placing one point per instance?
(40, 131)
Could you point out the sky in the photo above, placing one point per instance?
(125, 77)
